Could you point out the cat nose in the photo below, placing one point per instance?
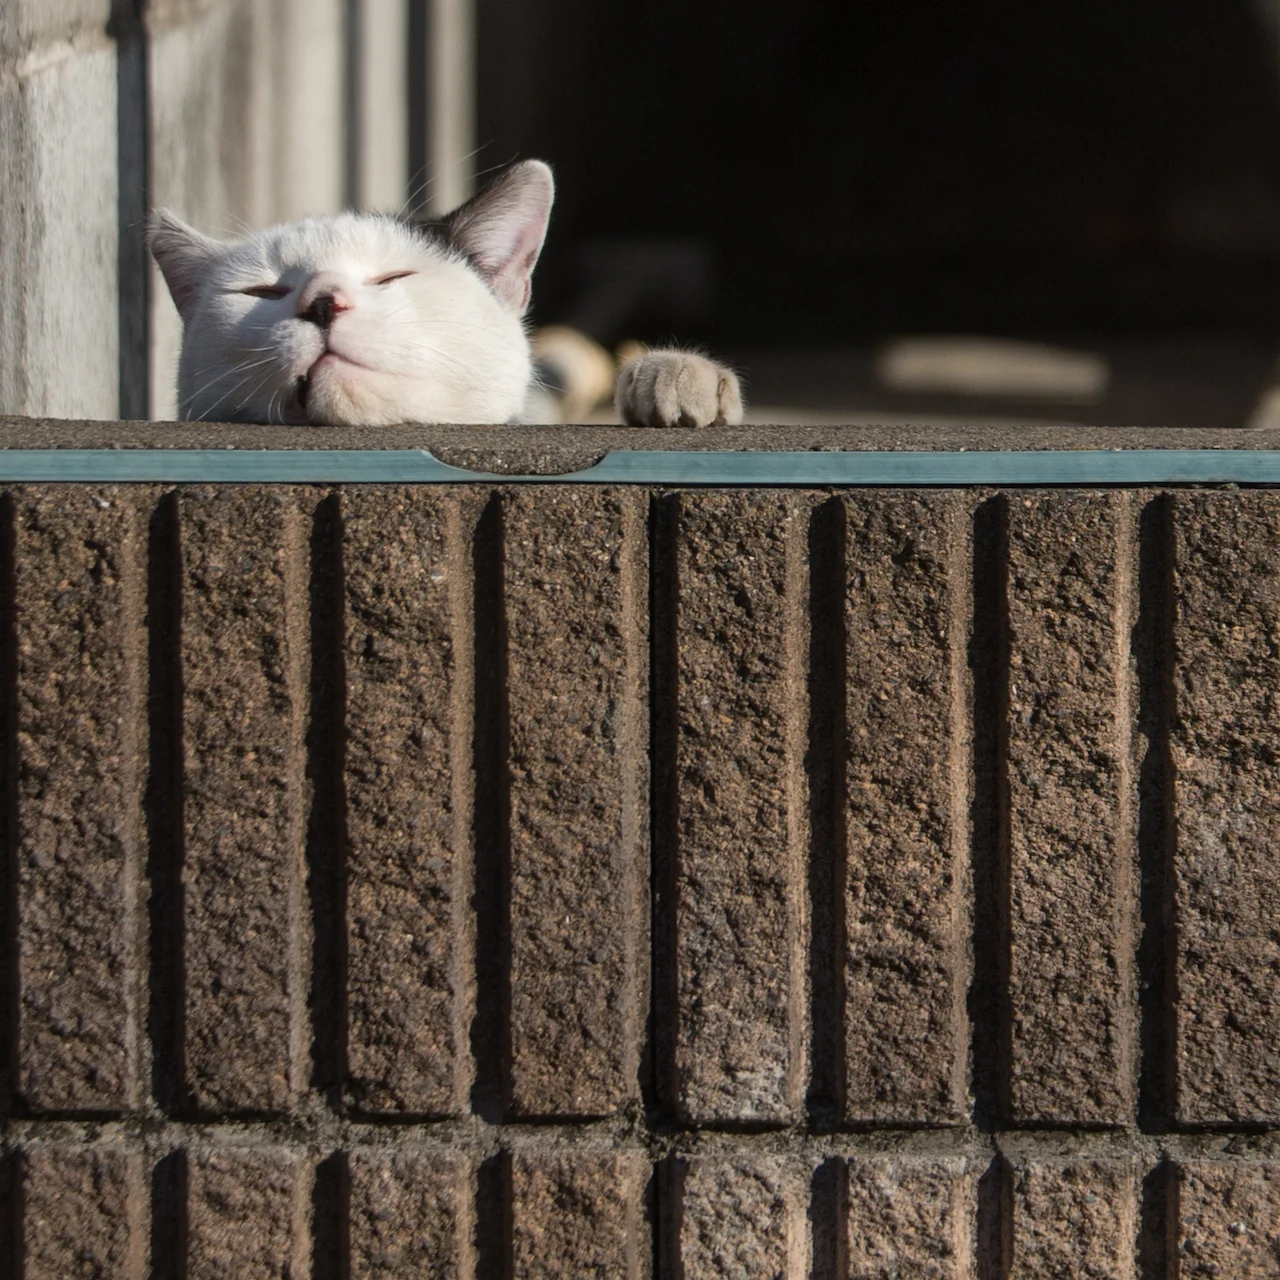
(323, 299)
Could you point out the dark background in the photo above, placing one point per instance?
(851, 171)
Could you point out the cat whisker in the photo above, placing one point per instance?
(250, 367)
(420, 185)
(207, 414)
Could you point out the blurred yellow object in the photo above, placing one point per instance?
(628, 350)
(583, 369)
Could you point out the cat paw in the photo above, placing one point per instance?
(677, 389)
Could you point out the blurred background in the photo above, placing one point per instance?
(873, 210)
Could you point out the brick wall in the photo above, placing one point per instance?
(566, 881)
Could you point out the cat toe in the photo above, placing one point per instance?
(678, 389)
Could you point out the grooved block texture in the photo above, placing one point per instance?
(408, 775)
(244, 631)
(1229, 1221)
(1072, 809)
(1226, 742)
(410, 1215)
(58, 232)
(741, 828)
(578, 1216)
(248, 1215)
(81, 728)
(907, 810)
(1075, 1219)
(911, 1218)
(579, 849)
(84, 1214)
(741, 1219)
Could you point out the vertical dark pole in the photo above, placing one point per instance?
(133, 140)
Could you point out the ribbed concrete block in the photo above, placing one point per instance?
(1226, 743)
(244, 663)
(911, 1218)
(410, 1215)
(741, 807)
(1229, 1220)
(409, 799)
(907, 806)
(579, 1216)
(1075, 1218)
(84, 1213)
(248, 1215)
(577, 678)
(742, 1218)
(1072, 809)
(58, 216)
(81, 742)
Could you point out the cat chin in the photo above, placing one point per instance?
(336, 398)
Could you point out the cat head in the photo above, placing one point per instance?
(361, 319)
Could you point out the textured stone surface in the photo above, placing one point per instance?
(1230, 1221)
(408, 780)
(1075, 1219)
(579, 811)
(742, 821)
(58, 194)
(81, 739)
(244, 654)
(84, 1215)
(906, 916)
(911, 1218)
(91, 577)
(247, 1215)
(410, 1215)
(578, 1216)
(743, 1219)
(1072, 809)
(1226, 744)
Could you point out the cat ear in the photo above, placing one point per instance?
(183, 255)
(502, 229)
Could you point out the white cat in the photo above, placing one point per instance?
(369, 319)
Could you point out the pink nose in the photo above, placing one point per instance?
(325, 296)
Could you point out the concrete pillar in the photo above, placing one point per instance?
(450, 103)
(59, 347)
(379, 178)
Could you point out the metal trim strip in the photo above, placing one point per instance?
(674, 468)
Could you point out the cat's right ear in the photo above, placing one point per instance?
(501, 229)
(183, 255)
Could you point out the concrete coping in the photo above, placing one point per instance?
(559, 450)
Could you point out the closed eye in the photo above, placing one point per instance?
(267, 291)
(393, 275)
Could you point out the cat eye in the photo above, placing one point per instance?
(267, 291)
(394, 275)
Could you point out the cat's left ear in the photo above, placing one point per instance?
(502, 228)
(183, 255)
